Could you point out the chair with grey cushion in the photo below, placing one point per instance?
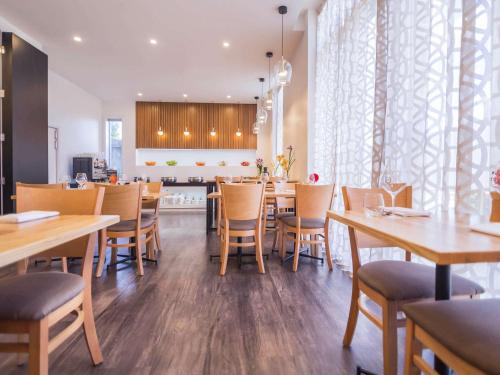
(125, 201)
(312, 203)
(241, 217)
(464, 334)
(151, 210)
(389, 283)
(32, 303)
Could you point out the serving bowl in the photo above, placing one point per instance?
(150, 163)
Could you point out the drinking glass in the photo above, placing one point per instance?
(393, 181)
(227, 179)
(122, 179)
(265, 177)
(81, 180)
(373, 204)
(66, 180)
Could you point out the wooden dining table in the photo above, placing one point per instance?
(24, 240)
(443, 239)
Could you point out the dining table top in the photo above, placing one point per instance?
(23, 240)
(443, 239)
(285, 193)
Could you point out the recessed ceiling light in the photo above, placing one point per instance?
(139, 94)
(77, 38)
(153, 41)
(185, 95)
(225, 44)
(229, 96)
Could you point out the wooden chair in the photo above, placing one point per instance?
(495, 207)
(284, 207)
(312, 202)
(464, 334)
(242, 205)
(219, 180)
(125, 201)
(390, 284)
(34, 205)
(153, 211)
(30, 304)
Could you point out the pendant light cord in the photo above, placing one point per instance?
(282, 36)
(269, 75)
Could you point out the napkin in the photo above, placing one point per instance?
(488, 228)
(407, 212)
(27, 216)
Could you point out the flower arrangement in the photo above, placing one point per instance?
(260, 165)
(313, 178)
(287, 162)
(495, 179)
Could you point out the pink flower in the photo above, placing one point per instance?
(314, 177)
(290, 148)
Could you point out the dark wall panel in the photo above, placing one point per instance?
(25, 114)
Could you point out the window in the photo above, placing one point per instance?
(114, 144)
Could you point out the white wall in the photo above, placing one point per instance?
(78, 116)
(298, 100)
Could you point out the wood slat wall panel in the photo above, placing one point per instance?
(199, 118)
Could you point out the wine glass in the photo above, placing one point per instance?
(81, 180)
(227, 179)
(373, 204)
(66, 180)
(122, 179)
(393, 181)
(265, 177)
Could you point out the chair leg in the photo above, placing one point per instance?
(138, 255)
(38, 347)
(390, 338)
(102, 253)
(412, 348)
(296, 254)
(282, 243)
(327, 247)
(225, 253)
(114, 251)
(353, 314)
(21, 357)
(258, 252)
(89, 329)
(150, 251)
(64, 264)
(157, 236)
(275, 237)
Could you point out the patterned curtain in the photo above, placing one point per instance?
(414, 82)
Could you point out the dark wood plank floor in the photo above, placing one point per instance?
(182, 318)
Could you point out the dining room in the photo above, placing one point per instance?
(263, 187)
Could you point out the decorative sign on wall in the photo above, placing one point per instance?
(189, 125)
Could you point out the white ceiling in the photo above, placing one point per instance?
(116, 60)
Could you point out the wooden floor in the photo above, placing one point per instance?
(182, 318)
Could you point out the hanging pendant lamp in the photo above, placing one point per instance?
(268, 104)
(283, 68)
(238, 132)
(261, 111)
(256, 124)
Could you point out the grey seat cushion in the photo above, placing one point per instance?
(148, 216)
(284, 214)
(35, 295)
(468, 328)
(129, 225)
(291, 221)
(240, 224)
(398, 280)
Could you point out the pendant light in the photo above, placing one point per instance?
(186, 131)
(256, 124)
(238, 132)
(213, 133)
(283, 68)
(268, 105)
(261, 111)
(160, 131)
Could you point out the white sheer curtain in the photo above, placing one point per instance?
(413, 81)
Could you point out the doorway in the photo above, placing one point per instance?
(53, 146)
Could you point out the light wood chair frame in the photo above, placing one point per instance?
(245, 212)
(495, 207)
(282, 205)
(219, 180)
(109, 238)
(154, 204)
(297, 234)
(39, 345)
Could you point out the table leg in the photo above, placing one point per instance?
(443, 292)
(240, 252)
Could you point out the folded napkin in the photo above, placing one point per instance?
(407, 212)
(27, 216)
(488, 228)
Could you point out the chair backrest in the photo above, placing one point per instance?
(353, 201)
(495, 207)
(155, 188)
(313, 200)
(122, 200)
(41, 186)
(242, 201)
(277, 179)
(284, 203)
(67, 202)
(220, 180)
